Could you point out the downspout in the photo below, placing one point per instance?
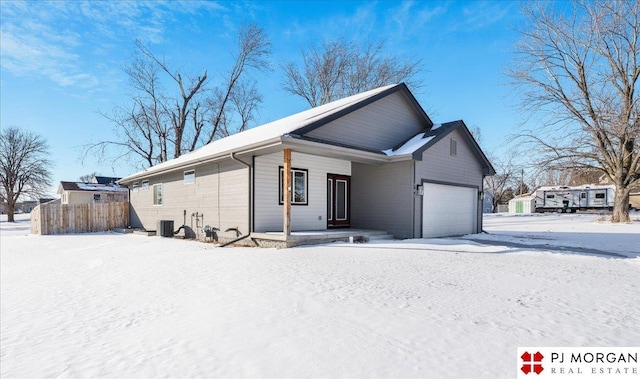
(480, 228)
(415, 198)
(250, 197)
(218, 192)
(130, 206)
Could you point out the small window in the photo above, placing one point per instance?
(96, 197)
(583, 195)
(299, 184)
(145, 185)
(190, 177)
(157, 194)
(600, 195)
(551, 196)
(453, 147)
(136, 186)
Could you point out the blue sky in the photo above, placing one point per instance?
(61, 61)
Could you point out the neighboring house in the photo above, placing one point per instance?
(634, 200)
(487, 202)
(26, 206)
(87, 193)
(372, 161)
(105, 180)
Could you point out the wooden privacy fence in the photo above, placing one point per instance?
(79, 218)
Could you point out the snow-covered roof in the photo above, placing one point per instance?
(295, 126)
(526, 197)
(105, 179)
(410, 146)
(261, 135)
(78, 186)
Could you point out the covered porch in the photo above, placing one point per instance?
(310, 196)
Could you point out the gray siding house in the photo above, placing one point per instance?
(370, 161)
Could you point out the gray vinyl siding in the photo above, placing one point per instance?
(268, 214)
(220, 192)
(382, 197)
(438, 164)
(379, 126)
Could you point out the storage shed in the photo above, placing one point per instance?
(522, 204)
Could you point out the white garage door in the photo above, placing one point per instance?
(448, 210)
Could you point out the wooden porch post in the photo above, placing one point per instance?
(286, 192)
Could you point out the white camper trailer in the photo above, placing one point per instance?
(571, 199)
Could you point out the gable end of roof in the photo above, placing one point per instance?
(437, 134)
(444, 130)
(363, 103)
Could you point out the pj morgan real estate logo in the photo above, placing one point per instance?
(578, 362)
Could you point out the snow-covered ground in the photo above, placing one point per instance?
(570, 233)
(111, 305)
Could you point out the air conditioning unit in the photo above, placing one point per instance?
(165, 228)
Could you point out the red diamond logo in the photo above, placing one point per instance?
(532, 363)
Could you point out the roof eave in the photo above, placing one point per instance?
(335, 151)
(401, 158)
(212, 158)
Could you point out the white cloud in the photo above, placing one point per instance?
(64, 40)
(359, 24)
(408, 18)
(27, 55)
(483, 13)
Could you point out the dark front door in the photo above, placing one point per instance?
(338, 200)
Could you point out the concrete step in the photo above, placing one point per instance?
(148, 233)
(381, 237)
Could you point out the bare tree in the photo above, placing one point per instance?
(585, 176)
(568, 177)
(501, 184)
(87, 178)
(337, 69)
(552, 177)
(24, 167)
(253, 52)
(159, 125)
(578, 72)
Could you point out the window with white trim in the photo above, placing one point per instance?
(299, 184)
(136, 186)
(145, 184)
(157, 194)
(190, 177)
(453, 147)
